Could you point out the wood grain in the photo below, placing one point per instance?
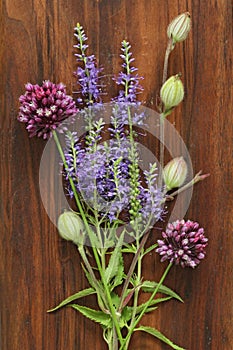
(37, 268)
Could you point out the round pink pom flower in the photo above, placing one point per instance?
(183, 243)
(44, 107)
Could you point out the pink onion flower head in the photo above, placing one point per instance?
(183, 243)
(43, 108)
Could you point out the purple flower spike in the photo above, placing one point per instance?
(44, 108)
(183, 243)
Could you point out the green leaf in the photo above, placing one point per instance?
(115, 300)
(148, 250)
(88, 276)
(153, 302)
(128, 310)
(94, 315)
(149, 286)
(129, 248)
(159, 335)
(81, 294)
(115, 261)
(120, 273)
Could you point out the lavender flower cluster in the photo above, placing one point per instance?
(127, 78)
(43, 108)
(104, 174)
(88, 72)
(102, 178)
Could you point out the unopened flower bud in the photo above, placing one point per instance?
(179, 28)
(174, 173)
(70, 227)
(172, 92)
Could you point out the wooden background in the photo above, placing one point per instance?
(37, 268)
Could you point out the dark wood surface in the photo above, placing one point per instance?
(37, 268)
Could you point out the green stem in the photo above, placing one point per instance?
(131, 269)
(198, 177)
(136, 293)
(161, 145)
(170, 47)
(87, 264)
(147, 304)
(111, 307)
(109, 299)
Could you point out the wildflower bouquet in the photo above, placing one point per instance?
(114, 199)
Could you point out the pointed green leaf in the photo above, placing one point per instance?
(120, 273)
(128, 310)
(81, 294)
(115, 261)
(148, 250)
(129, 248)
(149, 286)
(89, 278)
(152, 303)
(94, 315)
(159, 335)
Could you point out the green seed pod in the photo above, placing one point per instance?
(179, 28)
(70, 227)
(172, 92)
(174, 173)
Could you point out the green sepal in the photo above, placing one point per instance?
(149, 286)
(159, 335)
(94, 315)
(78, 295)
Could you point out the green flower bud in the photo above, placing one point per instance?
(179, 28)
(174, 173)
(172, 92)
(70, 227)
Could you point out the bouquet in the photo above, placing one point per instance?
(115, 192)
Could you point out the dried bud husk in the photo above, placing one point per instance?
(70, 227)
(174, 173)
(172, 92)
(179, 28)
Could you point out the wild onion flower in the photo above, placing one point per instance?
(183, 243)
(43, 108)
